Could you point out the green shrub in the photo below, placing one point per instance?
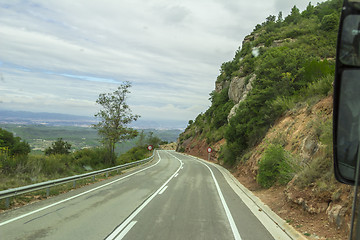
(94, 157)
(57, 164)
(321, 87)
(58, 147)
(330, 22)
(134, 154)
(14, 145)
(276, 166)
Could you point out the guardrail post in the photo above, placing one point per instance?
(47, 191)
(107, 174)
(93, 178)
(7, 202)
(74, 185)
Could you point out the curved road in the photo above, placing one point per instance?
(174, 197)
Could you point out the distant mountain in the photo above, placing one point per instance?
(52, 119)
(58, 119)
(159, 125)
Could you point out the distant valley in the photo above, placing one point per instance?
(41, 136)
(41, 129)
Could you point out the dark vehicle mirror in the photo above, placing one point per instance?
(348, 126)
(347, 95)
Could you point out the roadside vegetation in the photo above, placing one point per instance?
(18, 168)
(292, 63)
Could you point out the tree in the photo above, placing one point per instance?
(141, 139)
(20, 148)
(153, 140)
(280, 17)
(294, 16)
(58, 147)
(15, 145)
(114, 117)
(330, 22)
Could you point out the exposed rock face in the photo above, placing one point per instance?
(219, 86)
(280, 42)
(233, 111)
(336, 214)
(247, 39)
(309, 147)
(238, 91)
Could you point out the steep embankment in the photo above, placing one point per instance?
(312, 202)
(270, 120)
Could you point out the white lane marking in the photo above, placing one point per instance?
(226, 208)
(70, 198)
(126, 230)
(176, 175)
(276, 226)
(163, 190)
(141, 207)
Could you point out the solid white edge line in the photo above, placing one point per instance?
(226, 208)
(70, 198)
(141, 207)
(275, 225)
(163, 190)
(126, 230)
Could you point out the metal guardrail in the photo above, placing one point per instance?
(7, 194)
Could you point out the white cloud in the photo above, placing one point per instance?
(59, 55)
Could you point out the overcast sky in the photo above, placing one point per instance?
(58, 56)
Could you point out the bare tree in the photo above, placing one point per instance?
(115, 116)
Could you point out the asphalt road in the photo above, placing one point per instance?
(174, 197)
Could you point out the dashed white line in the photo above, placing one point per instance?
(122, 226)
(126, 230)
(163, 190)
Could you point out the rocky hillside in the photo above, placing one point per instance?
(313, 202)
(270, 120)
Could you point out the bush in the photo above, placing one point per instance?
(15, 145)
(182, 149)
(320, 169)
(93, 157)
(330, 22)
(321, 87)
(52, 165)
(134, 154)
(58, 147)
(276, 166)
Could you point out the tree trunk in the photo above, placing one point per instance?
(111, 157)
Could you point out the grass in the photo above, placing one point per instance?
(320, 169)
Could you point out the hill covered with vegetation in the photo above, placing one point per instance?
(270, 119)
(283, 61)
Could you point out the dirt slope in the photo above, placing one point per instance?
(317, 211)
